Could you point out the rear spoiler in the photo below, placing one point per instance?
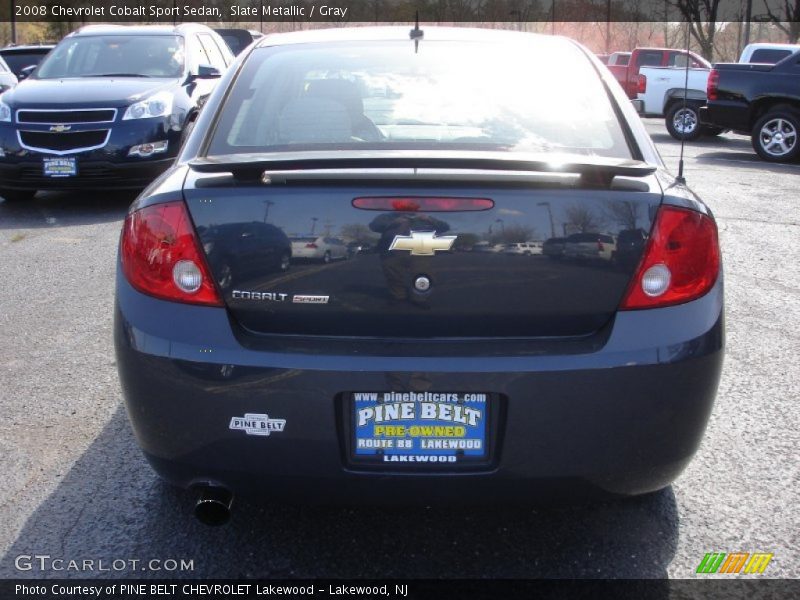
(345, 164)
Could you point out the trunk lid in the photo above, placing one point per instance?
(419, 258)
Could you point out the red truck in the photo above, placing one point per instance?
(628, 75)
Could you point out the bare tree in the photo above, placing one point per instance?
(582, 220)
(357, 232)
(786, 18)
(624, 212)
(703, 26)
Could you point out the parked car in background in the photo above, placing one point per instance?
(590, 246)
(109, 106)
(619, 58)
(554, 247)
(526, 248)
(240, 251)
(761, 100)
(628, 74)
(417, 374)
(322, 247)
(7, 78)
(629, 246)
(23, 59)
(677, 95)
(238, 39)
(767, 53)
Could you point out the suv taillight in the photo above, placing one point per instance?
(681, 261)
(161, 255)
(311, 245)
(641, 88)
(712, 87)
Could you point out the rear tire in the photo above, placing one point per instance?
(17, 195)
(775, 135)
(683, 124)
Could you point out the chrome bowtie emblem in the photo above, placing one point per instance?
(60, 128)
(422, 243)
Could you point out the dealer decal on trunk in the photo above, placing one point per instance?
(257, 424)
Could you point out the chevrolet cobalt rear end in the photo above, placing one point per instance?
(419, 369)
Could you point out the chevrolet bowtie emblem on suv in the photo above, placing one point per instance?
(60, 128)
(422, 243)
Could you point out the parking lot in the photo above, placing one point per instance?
(74, 485)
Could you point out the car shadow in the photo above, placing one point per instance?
(749, 160)
(111, 506)
(706, 141)
(64, 209)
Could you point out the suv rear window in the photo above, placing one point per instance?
(769, 56)
(449, 95)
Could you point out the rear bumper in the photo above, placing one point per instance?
(623, 419)
(92, 174)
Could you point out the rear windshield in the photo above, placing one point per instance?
(383, 95)
(109, 55)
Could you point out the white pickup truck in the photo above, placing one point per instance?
(661, 89)
(661, 93)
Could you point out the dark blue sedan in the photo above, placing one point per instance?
(419, 369)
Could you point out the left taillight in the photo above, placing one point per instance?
(161, 256)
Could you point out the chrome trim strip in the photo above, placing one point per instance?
(61, 152)
(68, 110)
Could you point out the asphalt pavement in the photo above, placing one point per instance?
(74, 486)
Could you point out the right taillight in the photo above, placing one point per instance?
(713, 85)
(681, 260)
(161, 255)
(641, 88)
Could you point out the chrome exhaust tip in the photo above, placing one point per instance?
(213, 506)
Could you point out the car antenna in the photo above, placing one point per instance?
(416, 34)
(680, 178)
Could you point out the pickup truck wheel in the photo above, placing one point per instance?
(683, 123)
(775, 135)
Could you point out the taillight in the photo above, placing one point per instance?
(681, 261)
(311, 245)
(161, 255)
(712, 87)
(600, 246)
(641, 88)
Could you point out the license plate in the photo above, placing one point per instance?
(60, 167)
(415, 428)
